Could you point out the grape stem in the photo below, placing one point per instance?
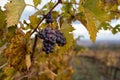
(59, 1)
(33, 49)
(70, 3)
(33, 6)
(3, 65)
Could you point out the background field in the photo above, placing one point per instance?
(97, 61)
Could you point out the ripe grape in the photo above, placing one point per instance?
(49, 18)
(60, 40)
(48, 47)
(49, 39)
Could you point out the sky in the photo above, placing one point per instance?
(80, 30)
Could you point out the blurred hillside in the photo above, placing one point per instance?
(97, 61)
(100, 44)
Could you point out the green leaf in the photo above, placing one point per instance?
(34, 21)
(36, 2)
(67, 8)
(13, 11)
(2, 43)
(9, 72)
(105, 26)
(91, 26)
(99, 11)
(55, 14)
(66, 29)
(2, 25)
(47, 6)
(116, 29)
(2, 19)
(11, 31)
(74, 1)
(50, 5)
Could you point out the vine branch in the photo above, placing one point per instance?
(3, 65)
(34, 45)
(70, 3)
(59, 1)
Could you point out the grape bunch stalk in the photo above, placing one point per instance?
(50, 38)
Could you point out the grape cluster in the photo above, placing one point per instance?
(60, 40)
(50, 38)
(49, 18)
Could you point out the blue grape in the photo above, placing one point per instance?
(60, 40)
(49, 39)
(49, 18)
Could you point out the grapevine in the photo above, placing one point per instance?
(59, 1)
(50, 37)
(42, 48)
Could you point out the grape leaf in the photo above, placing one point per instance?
(16, 52)
(116, 29)
(9, 71)
(36, 2)
(2, 25)
(13, 11)
(11, 32)
(105, 26)
(91, 26)
(34, 21)
(67, 8)
(100, 12)
(66, 29)
(2, 19)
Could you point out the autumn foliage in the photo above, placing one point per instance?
(25, 60)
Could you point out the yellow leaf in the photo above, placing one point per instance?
(36, 2)
(28, 61)
(13, 11)
(102, 9)
(2, 19)
(34, 21)
(2, 26)
(51, 75)
(66, 28)
(16, 51)
(91, 26)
